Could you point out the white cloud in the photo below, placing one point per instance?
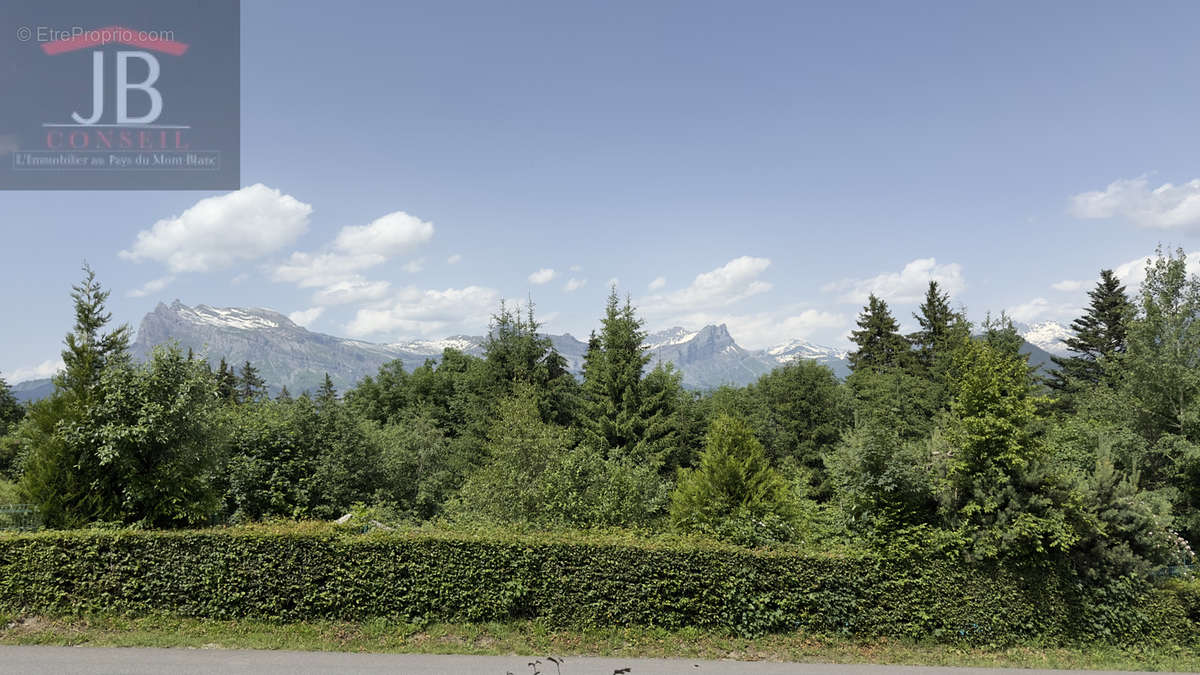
(416, 312)
(218, 231)
(39, 372)
(542, 276)
(734, 281)
(414, 266)
(574, 285)
(906, 286)
(454, 259)
(152, 286)
(386, 236)
(352, 290)
(239, 279)
(309, 270)
(1166, 207)
(1069, 285)
(659, 283)
(307, 316)
(1042, 309)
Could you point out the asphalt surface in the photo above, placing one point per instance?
(149, 661)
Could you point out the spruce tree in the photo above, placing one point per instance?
(226, 383)
(70, 474)
(617, 419)
(89, 350)
(1098, 334)
(936, 320)
(284, 394)
(327, 394)
(880, 344)
(251, 386)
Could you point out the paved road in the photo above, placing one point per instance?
(139, 661)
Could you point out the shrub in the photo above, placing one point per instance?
(315, 572)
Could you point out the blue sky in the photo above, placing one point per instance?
(759, 164)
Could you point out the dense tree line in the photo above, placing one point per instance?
(945, 437)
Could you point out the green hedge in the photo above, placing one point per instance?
(305, 573)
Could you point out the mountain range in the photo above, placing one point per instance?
(287, 354)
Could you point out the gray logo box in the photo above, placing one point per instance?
(120, 95)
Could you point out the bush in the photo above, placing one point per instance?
(314, 572)
(734, 489)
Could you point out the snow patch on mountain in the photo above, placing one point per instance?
(1047, 335)
(227, 317)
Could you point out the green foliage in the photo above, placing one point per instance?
(11, 411)
(734, 486)
(1098, 335)
(152, 427)
(65, 468)
(303, 573)
(535, 474)
(880, 344)
(799, 412)
(882, 481)
(999, 490)
(625, 414)
(250, 385)
(297, 459)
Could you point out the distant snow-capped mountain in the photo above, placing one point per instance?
(1046, 335)
(287, 354)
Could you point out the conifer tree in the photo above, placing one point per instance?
(936, 320)
(250, 385)
(69, 473)
(623, 416)
(11, 410)
(734, 481)
(284, 394)
(1099, 333)
(89, 350)
(226, 383)
(880, 344)
(327, 394)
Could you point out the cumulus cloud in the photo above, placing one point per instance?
(414, 266)
(734, 281)
(352, 290)
(39, 372)
(454, 259)
(658, 284)
(310, 270)
(906, 286)
(388, 235)
(218, 231)
(1042, 309)
(1165, 207)
(574, 284)
(152, 286)
(307, 316)
(418, 312)
(542, 276)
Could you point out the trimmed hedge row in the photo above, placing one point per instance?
(321, 573)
